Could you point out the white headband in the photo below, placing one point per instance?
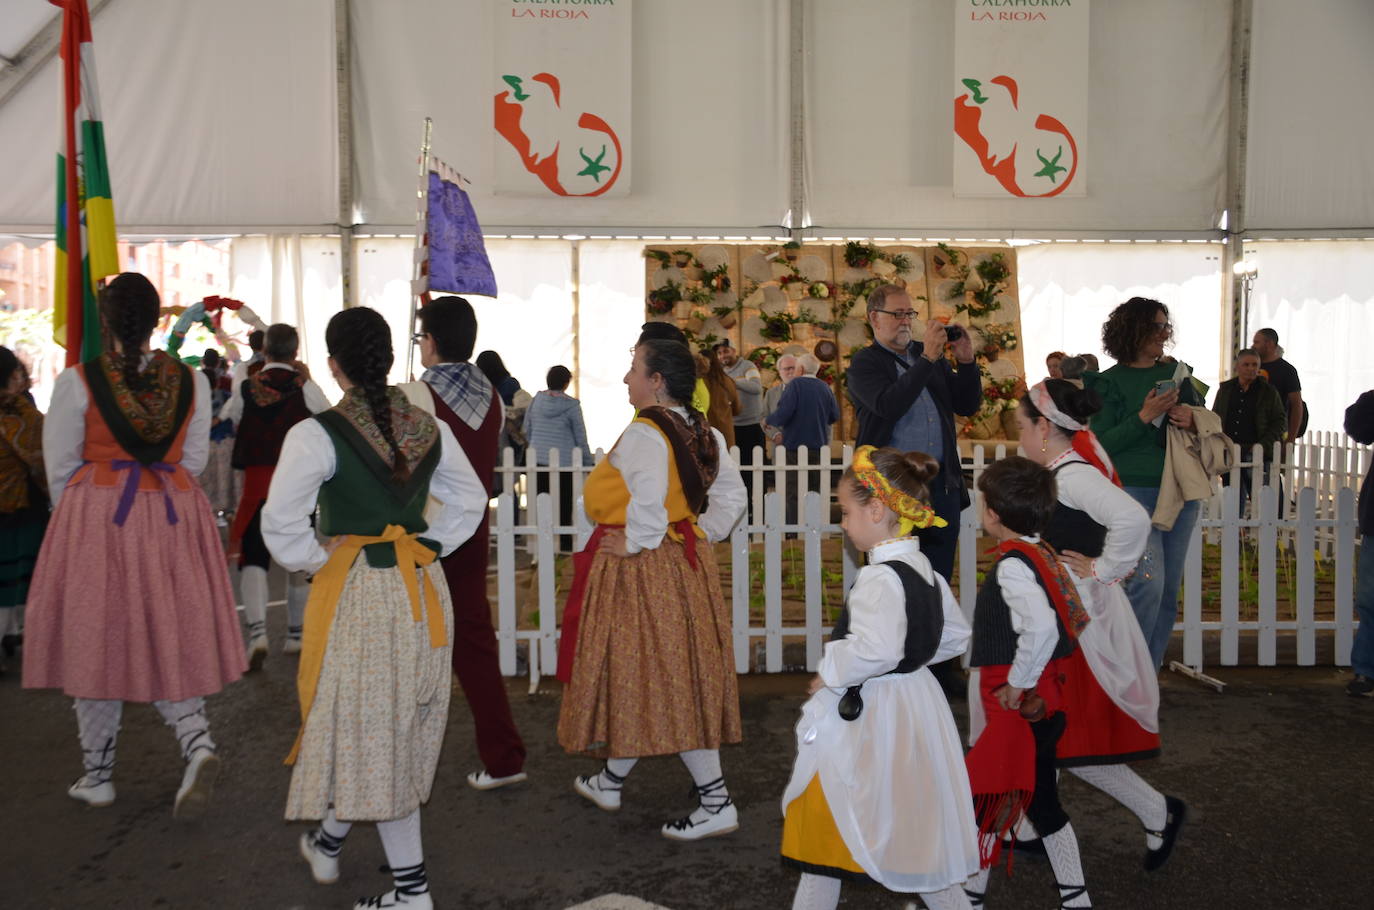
(1044, 403)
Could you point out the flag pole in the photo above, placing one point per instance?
(419, 278)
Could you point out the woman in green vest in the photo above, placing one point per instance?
(374, 679)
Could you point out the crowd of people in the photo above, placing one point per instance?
(376, 507)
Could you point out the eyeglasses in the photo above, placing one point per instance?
(1164, 328)
(899, 315)
(419, 336)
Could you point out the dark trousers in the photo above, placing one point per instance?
(253, 549)
(746, 437)
(564, 505)
(1045, 811)
(940, 545)
(1245, 481)
(476, 660)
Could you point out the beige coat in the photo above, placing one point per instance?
(1191, 460)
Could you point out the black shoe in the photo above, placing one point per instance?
(11, 643)
(1032, 850)
(1173, 823)
(1360, 687)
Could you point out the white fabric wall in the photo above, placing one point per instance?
(1310, 131)
(879, 96)
(1069, 289)
(1319, 297)
(216, 114)
(709, 102)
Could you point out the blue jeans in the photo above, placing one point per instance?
(1362, 654)
(1153, 589)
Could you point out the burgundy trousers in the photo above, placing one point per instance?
(476, 661)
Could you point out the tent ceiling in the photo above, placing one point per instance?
(222, 117)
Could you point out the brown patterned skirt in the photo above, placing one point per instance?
(655, 669)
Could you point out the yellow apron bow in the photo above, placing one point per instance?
(327, 588)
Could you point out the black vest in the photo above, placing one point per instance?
(1074, 529)
(262, 429)
(994, 639)
(925, 618)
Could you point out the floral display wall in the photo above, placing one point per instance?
(770, 300)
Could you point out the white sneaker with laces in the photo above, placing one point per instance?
(257, 653)
(196, 785)
(481, 780)
(703, 823)
(590, 787)
(323, 867)
(291, 646)
(94, 794)
(396, 899)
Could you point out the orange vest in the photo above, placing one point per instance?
(101, 450)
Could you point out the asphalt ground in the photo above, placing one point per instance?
(1275, 770)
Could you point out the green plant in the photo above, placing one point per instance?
(718, 279)
(763, 358)
(777, 326)
(860, 255)
(661, 300)
(661, 256)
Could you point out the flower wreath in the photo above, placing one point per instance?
(911, 512)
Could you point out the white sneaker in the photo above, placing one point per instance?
(396, 899)
(481, 780)
(196, 785)
(291, 646)
(590, 787)
(257, 652)
(99, 795)
(702, 823)
(323, 867)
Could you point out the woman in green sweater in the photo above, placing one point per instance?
(1135, 335)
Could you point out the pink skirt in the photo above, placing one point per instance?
(143, 612)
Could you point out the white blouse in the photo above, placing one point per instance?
(877, 619)
(641, 456)
(307, 461)
(1032, 618)
(315, 400)
(64, 428)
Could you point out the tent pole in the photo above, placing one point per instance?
(343, 56)
(1236, 294)
(419, 273)
(797, 121)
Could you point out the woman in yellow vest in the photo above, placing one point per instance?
(374, 678)
(647, 648)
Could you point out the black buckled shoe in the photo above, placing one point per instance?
(1173, 823)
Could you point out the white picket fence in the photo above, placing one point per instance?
(1313, 539)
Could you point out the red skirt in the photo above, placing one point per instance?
(1098, 732)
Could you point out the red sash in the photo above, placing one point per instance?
(257, 478)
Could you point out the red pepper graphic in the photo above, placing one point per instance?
(509, 110)
(968, 127)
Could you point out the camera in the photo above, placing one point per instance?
(954, 332)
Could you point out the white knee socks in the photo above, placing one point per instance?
(332, 833)
(97, 725)
(404, 853)
(1130, 789)
(253, 587)
(704, 766)
(1062, 848)
(188, 720)
(297, 593)
(816, 892)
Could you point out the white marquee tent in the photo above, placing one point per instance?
(294, 126)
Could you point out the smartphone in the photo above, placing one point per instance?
(1165, 385)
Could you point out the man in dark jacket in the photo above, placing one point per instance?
(1359, 423)
(1251, 414)
(906, 394)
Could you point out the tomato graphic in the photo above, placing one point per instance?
(581, 158)
(1027, 161)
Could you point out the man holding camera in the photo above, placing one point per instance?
(905, 394)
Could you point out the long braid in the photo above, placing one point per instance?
(359, 340)
(130, 306)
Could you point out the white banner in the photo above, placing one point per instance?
(562, 108)
(1020, 97)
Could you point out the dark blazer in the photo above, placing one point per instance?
(1359, 424)
(1269, 421)
(881, 396)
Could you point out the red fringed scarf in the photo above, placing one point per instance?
(1001, 764)
(1087, 445)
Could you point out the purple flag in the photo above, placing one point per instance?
(458, 261)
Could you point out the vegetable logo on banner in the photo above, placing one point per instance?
(562, 107)
(1021, 97)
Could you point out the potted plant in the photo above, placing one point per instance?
(660, 256)
(763, 358)
(696, 321)
(777, 326)
(791, 250)
(682, 258)
(661, 300)
(718, 279)
(726, 314)
(860, 255)
(821, 290)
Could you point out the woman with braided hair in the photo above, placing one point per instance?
(131, 600)
(374, 676)
(647, 649)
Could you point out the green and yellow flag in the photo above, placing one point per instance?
(86, 250)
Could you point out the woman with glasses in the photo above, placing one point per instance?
(1136, 392)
